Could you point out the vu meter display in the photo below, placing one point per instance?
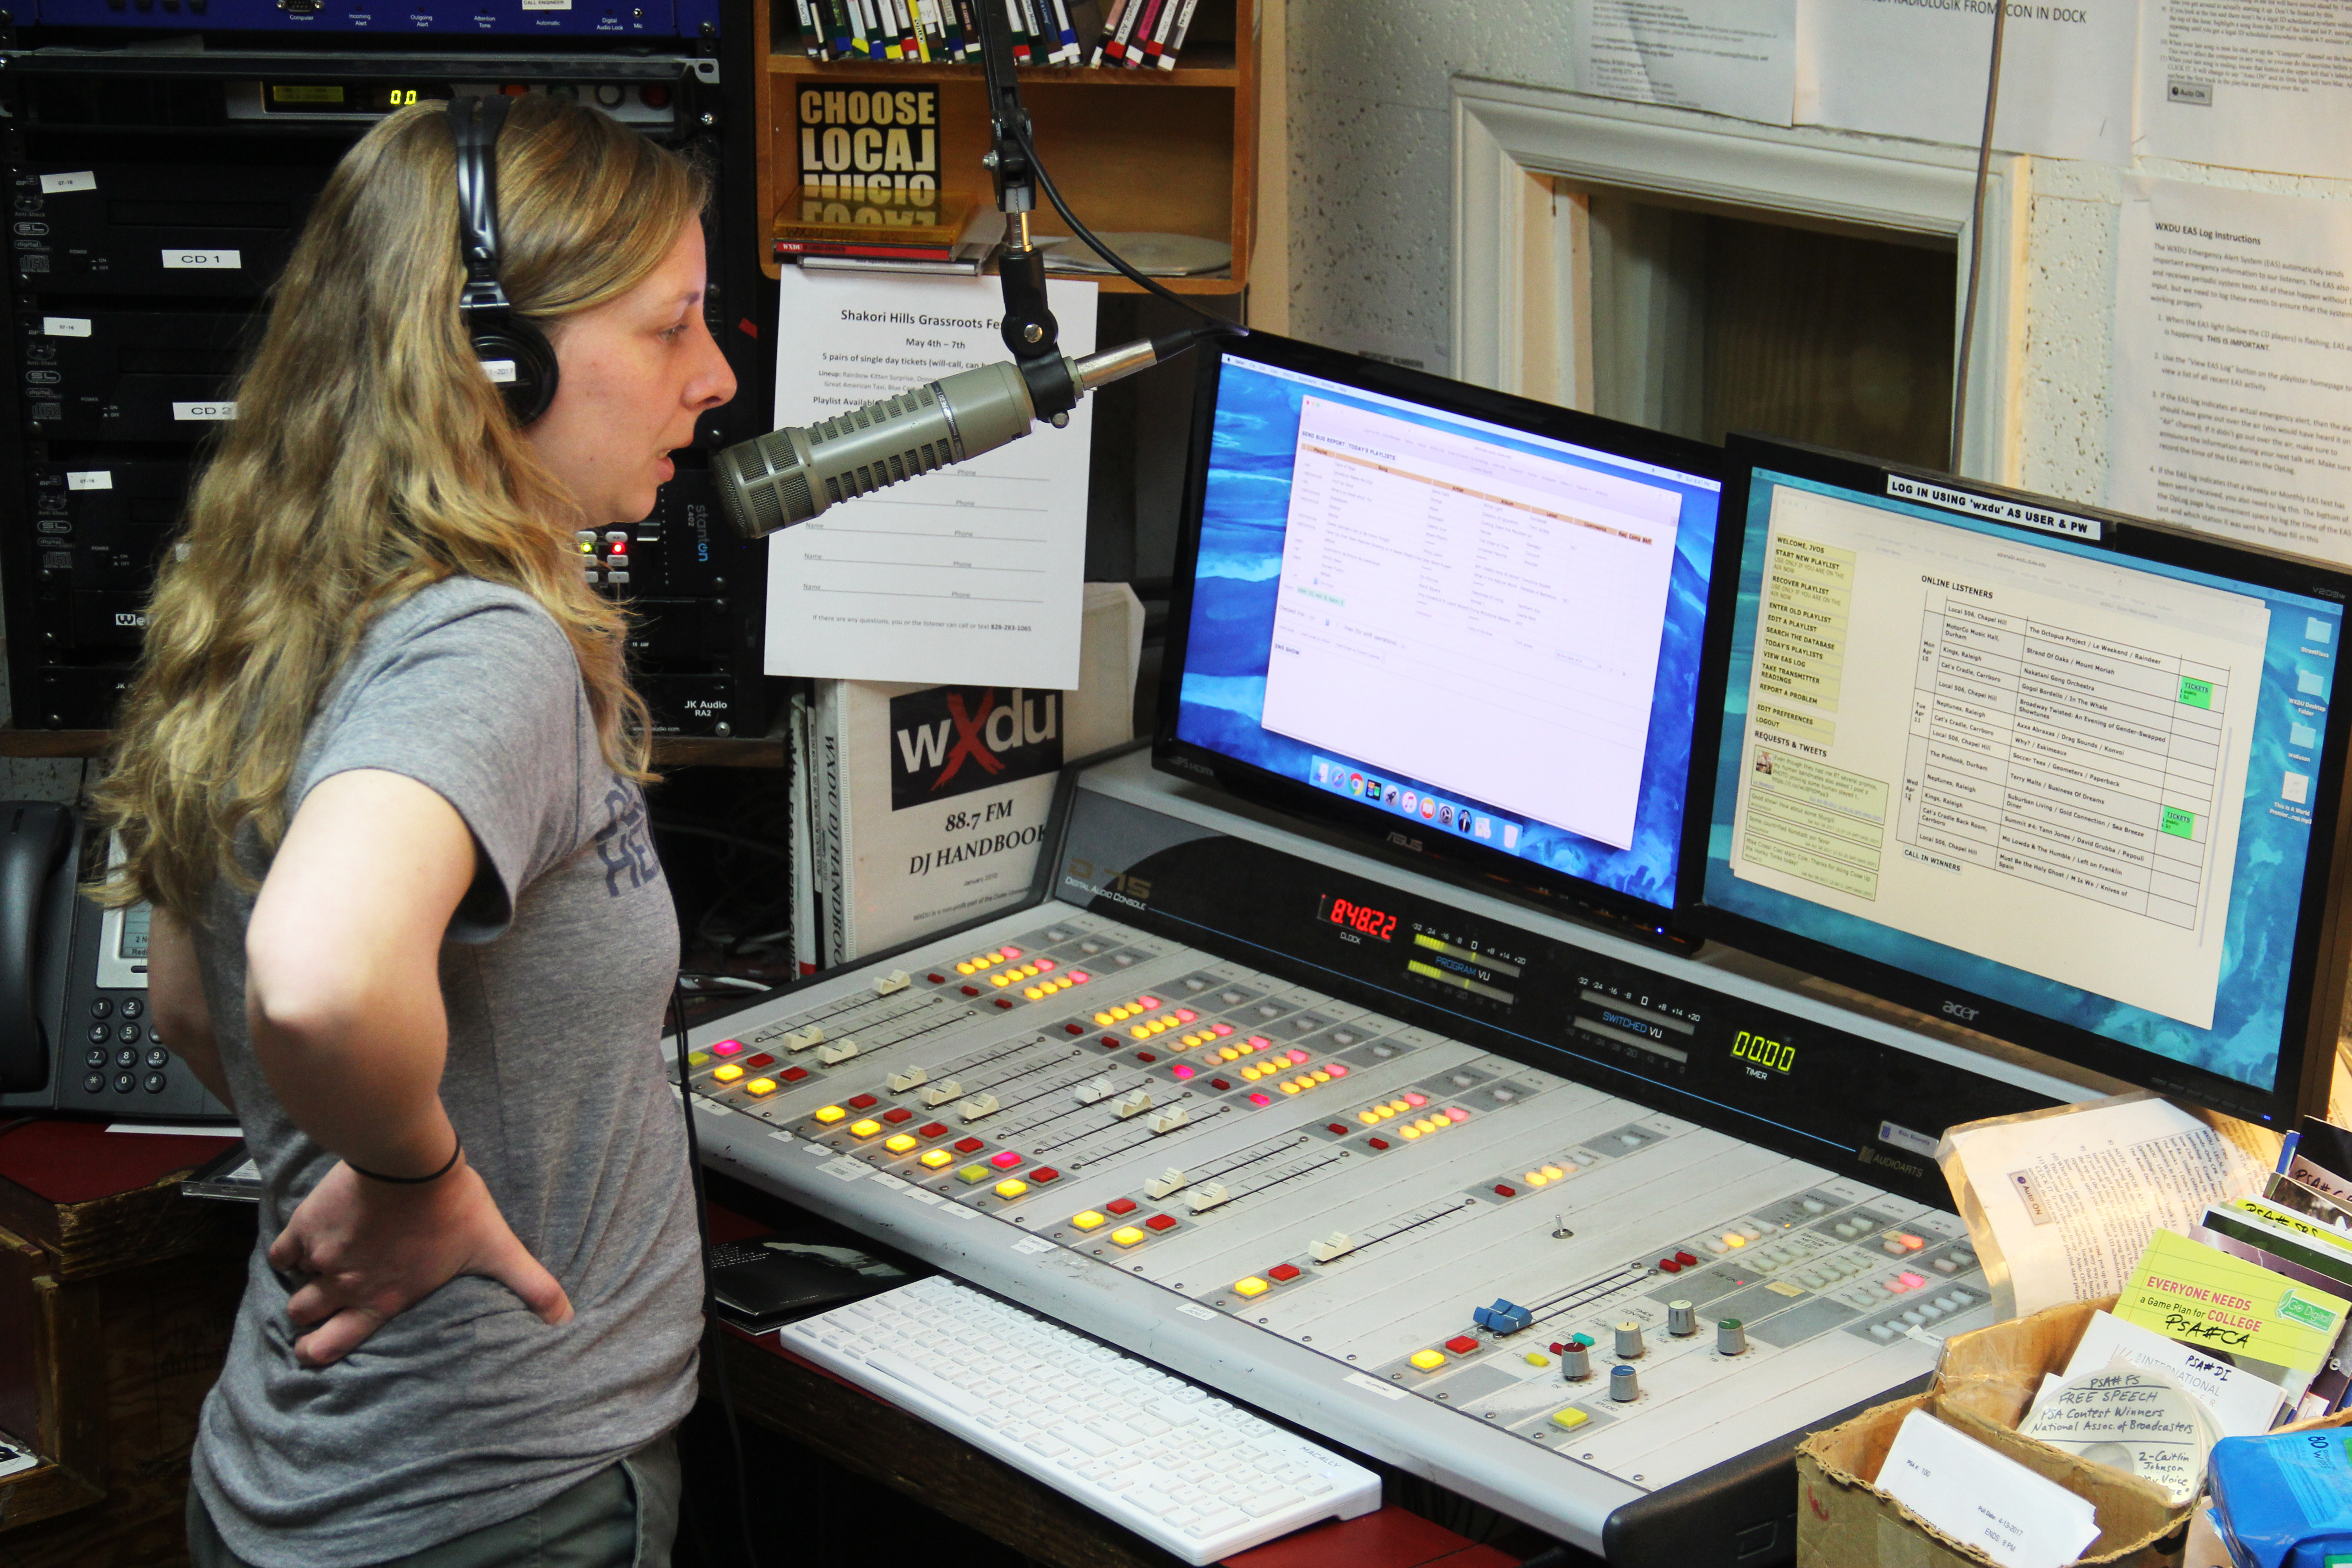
(1363, 918)
(1450, 963)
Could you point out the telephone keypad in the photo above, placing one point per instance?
(95, 1056)
(125, 1082)
(99, 1034)
(132, 1007)
(93, 1083)
(155, 1082)
(131, 1033)
(102, 1007)
(126, 1058)
(158, 1056)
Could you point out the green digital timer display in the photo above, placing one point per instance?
(1749, 1047)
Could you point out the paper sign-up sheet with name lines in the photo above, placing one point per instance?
(1478, 617)
(2036, 758)
(971, 573)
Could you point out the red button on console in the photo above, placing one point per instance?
(937, 979)
(896, 1115)
(1685, 1259)
(1045, 1173)
(1004, 1001)
(968, 1146)
(861, 1103)
(1161, 1222)
(1377, 1142)
(1462, 1344)
(762, 1060)
(1073, 1028)
(793, 1075)
(1219, 1084)
(1668, 1266)
(1146, 1058)
(968, 990)
(932, 1130)
(1282, 1273)
(1335, 1127)
(1120, 1206)
(1503, 1190)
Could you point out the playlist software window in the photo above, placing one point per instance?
(1470, 614)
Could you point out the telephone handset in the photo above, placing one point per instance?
(75, 1031)
(37, 865)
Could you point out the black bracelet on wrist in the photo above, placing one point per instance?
(448, 1165)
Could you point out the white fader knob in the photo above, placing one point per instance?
(1731, 1337)
(1681, 1321)
(1629, 1342)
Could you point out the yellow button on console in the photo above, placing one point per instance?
(1127, 1235)
(1253, 1286)
(760, 1085)
(1536, 1357)
(973, 1176)
(936, 1158)
(728, 1073)
(1093, 1219)
(1570, 1419)
(829, 1114)
(1011, 1189)
(1429, 1361)
(864, 1129)
(904, 1144)
(697, 1058)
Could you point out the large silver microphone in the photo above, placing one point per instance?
(789, 476)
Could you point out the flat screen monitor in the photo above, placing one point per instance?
(1463, 622)
(2066, 777)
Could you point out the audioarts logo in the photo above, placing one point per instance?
(949, 740)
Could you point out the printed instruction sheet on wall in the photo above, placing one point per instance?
(2248, 86)
(2231, 398)
(1920, 70)
(973, 574)
(1724, 57)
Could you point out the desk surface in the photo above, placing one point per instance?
(79, 1162)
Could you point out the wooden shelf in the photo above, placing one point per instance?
(1182, 159)
(17, 742)
(1209, 67)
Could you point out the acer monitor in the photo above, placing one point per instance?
(1466, 624)
(2068, 777)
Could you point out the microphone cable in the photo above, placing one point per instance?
(714, 1340)
(1150, 284)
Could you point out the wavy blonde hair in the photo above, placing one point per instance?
(370, 457)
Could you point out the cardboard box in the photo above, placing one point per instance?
(1845, 1521)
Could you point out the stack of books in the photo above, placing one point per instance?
(1133, 34)
(822, 222)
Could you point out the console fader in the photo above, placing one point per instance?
(1587, 1233)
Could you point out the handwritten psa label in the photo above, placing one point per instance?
(2204, 1297)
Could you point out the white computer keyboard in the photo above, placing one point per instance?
(1178, 1468)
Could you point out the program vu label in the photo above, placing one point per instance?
(947, 740)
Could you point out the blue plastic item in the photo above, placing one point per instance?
(1502, 1317)
(2285, 1500)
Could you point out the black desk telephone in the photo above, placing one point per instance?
(75, 1032)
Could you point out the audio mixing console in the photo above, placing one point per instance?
(1586, 1232)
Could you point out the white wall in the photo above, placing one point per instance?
(1370, 142)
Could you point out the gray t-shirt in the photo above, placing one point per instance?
(467, 1410)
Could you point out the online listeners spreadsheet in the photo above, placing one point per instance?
(1470, 614)
(1931, 705)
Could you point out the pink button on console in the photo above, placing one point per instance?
(727, 1048)
(1005, 1160)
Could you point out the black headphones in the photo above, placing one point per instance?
(513, 352)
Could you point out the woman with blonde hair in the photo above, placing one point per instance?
(379, 777)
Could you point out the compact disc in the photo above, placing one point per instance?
(1154, 255)
(2131, 1419)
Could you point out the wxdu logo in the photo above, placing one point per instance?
(949, 739)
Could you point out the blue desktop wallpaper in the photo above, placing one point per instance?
(1222, 697)
(2273, 841)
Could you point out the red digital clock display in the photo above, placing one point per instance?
(1356, 917)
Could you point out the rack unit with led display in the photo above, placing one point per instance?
(1593, 1243)
(155, 197)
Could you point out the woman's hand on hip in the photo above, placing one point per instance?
(372, 1249)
